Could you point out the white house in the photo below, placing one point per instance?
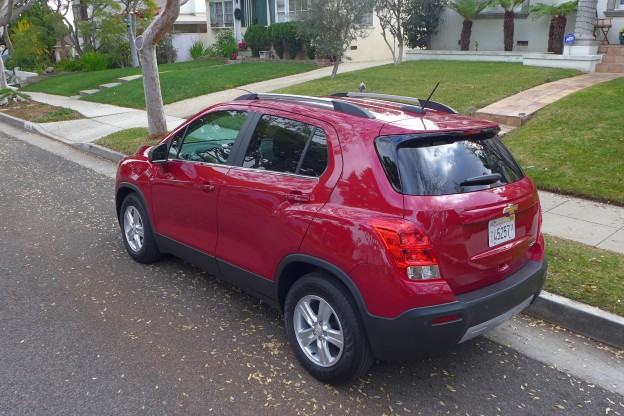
(529, 36)
(203, 19)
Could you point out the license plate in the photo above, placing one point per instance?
(501, 230)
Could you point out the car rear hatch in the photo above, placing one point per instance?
(470, 198)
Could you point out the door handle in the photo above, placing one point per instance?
(207, 187)
(297, 196)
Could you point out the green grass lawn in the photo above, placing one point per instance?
(192, 82)
(462, 84)
(586, 274)
(576, 145)
(72, 84)
(127, 141)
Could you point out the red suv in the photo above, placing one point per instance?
(381, 226)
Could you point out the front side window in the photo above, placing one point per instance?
(208, 139)
(289, 146)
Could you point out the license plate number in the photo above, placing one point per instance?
(501, 230)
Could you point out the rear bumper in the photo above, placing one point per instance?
(413, 334)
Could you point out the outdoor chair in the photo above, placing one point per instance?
(602, 27)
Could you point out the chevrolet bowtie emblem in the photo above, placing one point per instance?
(511, 209)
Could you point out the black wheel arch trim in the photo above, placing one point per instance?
(340, 274)
(119, 201)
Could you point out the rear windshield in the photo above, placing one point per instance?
(445, 165)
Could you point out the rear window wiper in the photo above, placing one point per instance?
(482, 180)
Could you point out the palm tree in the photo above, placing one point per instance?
(508, 23)
(469, 10)
(558, 19)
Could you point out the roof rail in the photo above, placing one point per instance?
(337, 105)
(398, 98)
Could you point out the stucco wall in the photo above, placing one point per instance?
(372, 47)
(489, 33)
(183, 41)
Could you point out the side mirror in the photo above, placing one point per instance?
(159, 153)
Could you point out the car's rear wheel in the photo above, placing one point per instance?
(137, 232)
(325, 330)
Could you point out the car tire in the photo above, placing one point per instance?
(325, 330)
(136, 231)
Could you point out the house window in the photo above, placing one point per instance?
(286, 10)
(621, 5)
(367, 20)
(222, 13)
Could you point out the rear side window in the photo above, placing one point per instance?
(445, 165)
(289, 146)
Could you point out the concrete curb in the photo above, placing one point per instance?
(575, 316)
(87, 147)
(578, 317)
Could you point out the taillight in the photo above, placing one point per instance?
(536, 250)
(409, 247)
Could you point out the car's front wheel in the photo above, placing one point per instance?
(325, 330)
(137, 232)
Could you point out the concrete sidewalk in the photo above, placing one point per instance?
(591, 223)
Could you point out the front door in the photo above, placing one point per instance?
(186, 187)
(269, 198)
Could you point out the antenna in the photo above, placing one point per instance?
(430, 95)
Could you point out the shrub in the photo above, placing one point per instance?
(9, 96)
(310, 50)
(277, 40)
(165, 52)
(27, 63)
(211, 51)
(197, 49)
(94, 61)
(257, 38)
(226, 45)
(289, 34)
(69, 65)
(118, 53)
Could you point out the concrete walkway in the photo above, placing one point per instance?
(515, 110)
(595, 224)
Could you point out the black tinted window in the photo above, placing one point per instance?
(210, 138)
(278, 144)
(417, 166)
(315, 159)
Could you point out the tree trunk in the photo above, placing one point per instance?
(399, 57)
(7, 39)
(73, 35)
(508, 30)
(558, 33)
(335, 69)
(464, 41)
(3, 80)
(156, 122)
(131, 32)
(551, 35)
(585, 18)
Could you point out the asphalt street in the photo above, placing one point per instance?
(84, 330)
